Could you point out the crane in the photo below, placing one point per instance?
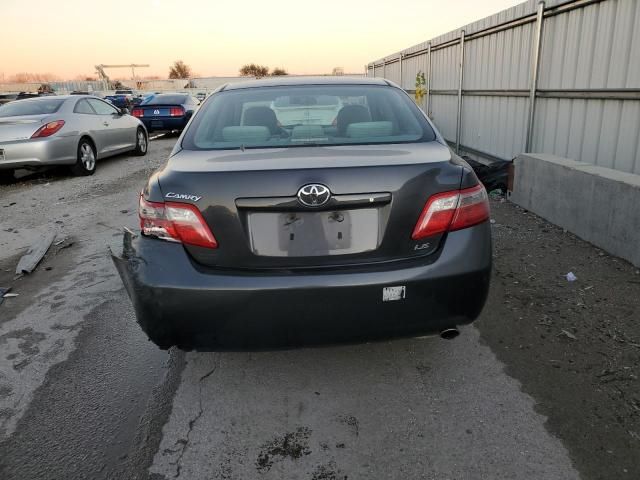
(105, 78)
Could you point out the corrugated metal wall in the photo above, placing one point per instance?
(587, 103)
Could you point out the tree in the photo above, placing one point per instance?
(179, 70)
(278, 71)
(45, 88)
(253, 70)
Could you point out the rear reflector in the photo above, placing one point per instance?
(175, 222)
(176, 111)
(449, 211)
(137, 112)
(48, 129)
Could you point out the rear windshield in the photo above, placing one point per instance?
(307, 115)
(165, 100)
(31, 107)
(124, 92)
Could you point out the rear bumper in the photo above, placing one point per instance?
(179, 302)
(164, 123)
(39, 152)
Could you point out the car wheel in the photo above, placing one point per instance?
(142, 143)
(86, 163)
(6, 176)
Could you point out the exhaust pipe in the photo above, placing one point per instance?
(449, 333)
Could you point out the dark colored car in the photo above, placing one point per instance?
(7, 97)
(268, 231)
(167, 111)
(120, 101)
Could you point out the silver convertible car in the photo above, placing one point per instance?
(65, 130)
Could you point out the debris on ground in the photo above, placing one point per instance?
(36, 252)
(4, 291)
(493, 176)
(567, 334)
(64, 244)
(571, 277)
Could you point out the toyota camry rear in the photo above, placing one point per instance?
(307, 211)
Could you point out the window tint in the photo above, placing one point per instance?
(83, 107)
(307, 115)
(31, 107)
(102, 108)
(165, 99)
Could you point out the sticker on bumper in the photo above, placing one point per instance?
(390, 294)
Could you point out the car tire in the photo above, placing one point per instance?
(142, 143)
(86, 163)
(7, 176)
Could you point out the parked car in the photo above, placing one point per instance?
(72, 130)
(167, 111)
(24, 95)
(7, 97)
(258, 233)
(120, 101)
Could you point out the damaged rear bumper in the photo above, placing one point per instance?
(179, 302)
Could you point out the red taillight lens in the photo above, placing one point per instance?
(175, 222)
(176, 111)
(449, 211)
(48, 129)
(473, 208)
(137, 112)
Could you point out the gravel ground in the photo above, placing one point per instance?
(543, 385)
(574, 346)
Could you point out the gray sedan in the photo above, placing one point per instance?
(69, 130)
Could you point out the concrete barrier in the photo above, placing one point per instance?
(598, 204)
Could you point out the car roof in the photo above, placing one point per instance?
(285, 80)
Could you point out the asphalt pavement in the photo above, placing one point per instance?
(84, 395)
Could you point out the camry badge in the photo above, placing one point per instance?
(314, 195)
(183, 196)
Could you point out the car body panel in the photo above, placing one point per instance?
(179, 302)
(408, 173)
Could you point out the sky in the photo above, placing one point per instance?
(215, 38)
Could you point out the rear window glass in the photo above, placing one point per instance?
(307, 115)
(165, 100)
(31, 107)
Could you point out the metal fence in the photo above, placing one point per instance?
(559, 77)
(58, 87)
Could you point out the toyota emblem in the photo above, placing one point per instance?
(314, 195)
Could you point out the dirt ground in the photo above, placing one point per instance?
(544, 385)
(574, 346)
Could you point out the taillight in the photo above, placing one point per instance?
(48, 129)
(176, 111)
(137, 112)
(175, 222)
(450, 211)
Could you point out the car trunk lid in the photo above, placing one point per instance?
(20, 128)
(250, 201)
